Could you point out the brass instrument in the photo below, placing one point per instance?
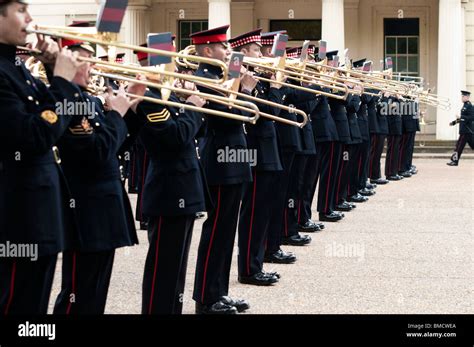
(268, 65)
(97, 86)
(110, 40)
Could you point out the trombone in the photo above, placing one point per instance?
(153, 74)
(268, 65)
(37, 70)
(224, 100)
(110, 39)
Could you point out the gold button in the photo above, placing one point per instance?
(30, 98)
(37, 102)
(97, 124)
(76, 95)
(28, 82)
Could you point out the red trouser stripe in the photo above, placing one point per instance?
(12, 287)
(210, 243)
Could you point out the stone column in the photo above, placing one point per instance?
(135, 27)
(451, 60)
(219, 13)
(333, 25)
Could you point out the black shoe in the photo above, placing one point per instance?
(379, 181)
(370, 186)
(216, 308)
(394, 178)
(239, 304)
(351, 204)
(331, 217)
(272, 273)
(143, 225)
(319, 225)
(280, 257)
(413, 170)
(259, 279)
(296, 240)
(366, 192)
(358, 198)
(309, 227)
(344, 206)
(405, 174)
(200, 215)
(452, 163)
(340, 214)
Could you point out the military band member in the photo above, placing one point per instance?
(365, 188)
(410, 125)
(283, 223)
(226, 179)
(90, 150)
(378, 128)
(355, 148)
(34, 201)
(394, 120)
(339, 114)
(262, 139)
(466, 128)
(273, 251)
(295, 219)
(174, 190)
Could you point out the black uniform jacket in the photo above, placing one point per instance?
(175, 183)
(394, 118)
(90, 160)
(324, 127)
(363, 117)
(262, 136)
(339, 114)
(410, 119)
(32, 188)
(352, 108)
(223, 148)
(466, 126)
(377, 121)
(292, 138)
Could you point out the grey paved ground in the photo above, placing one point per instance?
(408, 250)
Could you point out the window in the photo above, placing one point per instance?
(298, 30)
(402, 44)
(188, 27)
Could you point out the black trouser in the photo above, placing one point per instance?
(255, 219)
(353, 169)
(166, 262)
(376, 149)
(85, 282)
(328, 154)
(407, 144)
(411, 150)
(393, 153)
(342, 179)
(216, 245)
(363, 165)
(460, 144)
(143, 162)
(279, 204)
(294, 196)
(25, 285)
(309, 187)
